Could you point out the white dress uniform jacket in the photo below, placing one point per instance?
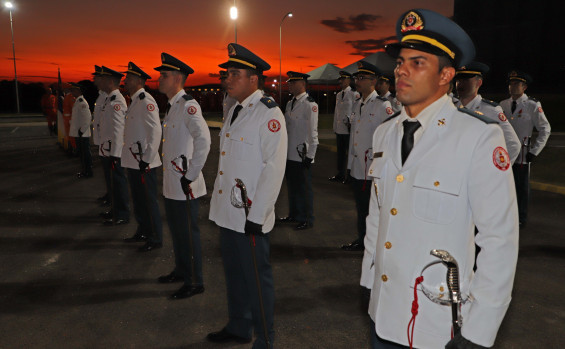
(185, 132)
(252, 149)
(81, 118)
(375, 110)
(112, 124)
(494, 112)
(394, 103)
(302, 126)
(142, 125)
(227, 103)
(343, 107)
(457, 176)
(528, 114)
(96, 115)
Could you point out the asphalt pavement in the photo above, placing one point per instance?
(67, 281)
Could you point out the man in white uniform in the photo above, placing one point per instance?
(468, 80)
(438, 171)
(301, 117)
(524, 114)
(253, 144)
(343, 106)
(140, 155)
(227, 101)
(80, 130)
(383, 89)
(111, 142)
(186, 141)
(96, 115)
(369, 111)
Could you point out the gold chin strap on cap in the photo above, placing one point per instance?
(517, 78)
(170, 66)
(366, 71)
(433, 42)
(133, 72)
(242, 62)
(468, 72)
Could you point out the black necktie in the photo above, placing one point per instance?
(513, 109)
(342, 95)
(361, 108)
(167, 108)
(235, 112)
(408, 138)
(292, 104)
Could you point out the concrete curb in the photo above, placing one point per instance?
(552, 188)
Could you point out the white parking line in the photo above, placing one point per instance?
(14, 130)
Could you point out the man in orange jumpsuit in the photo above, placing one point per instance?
(49, 109)
(68, 102)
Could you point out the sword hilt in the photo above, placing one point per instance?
(452, 279)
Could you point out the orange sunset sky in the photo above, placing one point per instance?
(75, 35)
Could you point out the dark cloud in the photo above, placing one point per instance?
(360, 22)
(368, 46)
(214, 75)
(37, 76)
(30, 60)
(301, 57)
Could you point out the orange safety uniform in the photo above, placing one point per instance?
(49, 108)
(68, 103)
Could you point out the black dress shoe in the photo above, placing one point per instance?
(354, 246)
(187, 291)
(224, 336)
(136, 238)
(167, 279)
(150, 246)
(303, 226)
(116, 221)
(336, 178)
(287, 219)
(106, 214)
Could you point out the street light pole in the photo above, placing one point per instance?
(233, 16)
(9, 6)
(280, 55)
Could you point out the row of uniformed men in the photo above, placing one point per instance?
(355, 124)
(253, 149)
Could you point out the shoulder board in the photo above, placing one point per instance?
(382, 98)
(392, 116)
(488, 101)
(310, 99)
(142, 95)
(533, 99)
(477, 115)
(269, 102)
(187, 97)
(113, 98)
(80, 100)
